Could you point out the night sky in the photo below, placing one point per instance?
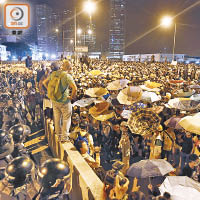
(143, 15)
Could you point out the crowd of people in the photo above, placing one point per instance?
(118, 115)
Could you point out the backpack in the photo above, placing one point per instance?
(54, 91)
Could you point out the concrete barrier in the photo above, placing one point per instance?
(86, 185)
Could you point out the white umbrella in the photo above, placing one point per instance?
(183, 104)
(129, 95)
(181, 188)
(118, 84)
(84, 102)
(149, 89)
(150, 168)
(150, 96)
(195, 97)
(191, 123)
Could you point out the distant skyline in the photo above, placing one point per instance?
(143, 15)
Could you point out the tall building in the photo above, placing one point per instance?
(43, 13)
(117, 28)
(68, 30)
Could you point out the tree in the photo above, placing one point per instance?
(18, 49)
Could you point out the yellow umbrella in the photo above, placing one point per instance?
(95, 72)
(129, 95)
(99, 108)
(152, 85)
(108, 114)
(191, 123)
(96, 92)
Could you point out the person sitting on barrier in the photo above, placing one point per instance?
(81, 134)
(82, 147)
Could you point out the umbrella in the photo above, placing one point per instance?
(176, 81)
(194, 86)
(96, 92)
(191, 123)
(181, 188)
(183, 104)
(152, 85)
(150, 168)
(95, 72)
(143, 122)
(118, 84)
(173, 122)
(84, 102)
(129, 95)
(195, 97)
(108, 114)
(150, 96)
(184, 94)
(99, 108)
(149, 89)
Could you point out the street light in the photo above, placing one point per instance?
(90, 32)
(89, 7)
(79, 31)
(166, 22)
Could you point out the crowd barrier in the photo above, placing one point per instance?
(86, 185)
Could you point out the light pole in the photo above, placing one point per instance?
(90, 7)
(166, 22)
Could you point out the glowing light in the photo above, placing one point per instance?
(53, 56)
(90, 32)
(71, 41)
(46, 54)
(166, 21)
(57, 30)
(89, 7)
(79, 31)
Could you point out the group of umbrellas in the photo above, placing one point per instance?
(180, 187)
(143, 121)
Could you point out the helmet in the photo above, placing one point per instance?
(6, 144)
(20, 171)
(51, 170)
(19, 132)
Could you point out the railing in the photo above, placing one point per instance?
(85, 183)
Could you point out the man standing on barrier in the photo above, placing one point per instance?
(58, 85)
